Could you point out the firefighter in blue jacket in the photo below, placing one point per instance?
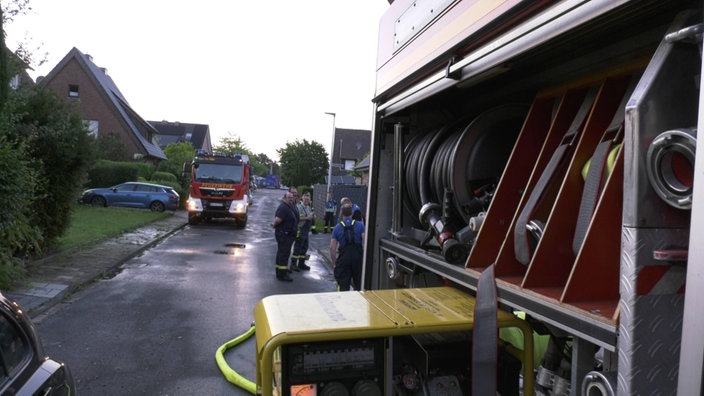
(330, 209)
(346, 250)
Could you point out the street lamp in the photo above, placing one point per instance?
(332, 145)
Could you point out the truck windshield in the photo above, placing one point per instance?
(218, 173)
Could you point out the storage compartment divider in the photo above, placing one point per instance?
(586, 279)
(507, 265)
(512, 184)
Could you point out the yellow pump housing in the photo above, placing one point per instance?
(324, 343)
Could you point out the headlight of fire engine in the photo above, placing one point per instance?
(239, 207)
(194, 204)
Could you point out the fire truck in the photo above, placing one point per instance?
(529, 158)
(219, 188)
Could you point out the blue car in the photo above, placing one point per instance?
(24, 367)
(154, 197)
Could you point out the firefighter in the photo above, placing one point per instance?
(330, 209)
(356, 210)
(346, 250)
(285, 226)
(300, 247)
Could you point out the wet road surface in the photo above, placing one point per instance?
(153, 328)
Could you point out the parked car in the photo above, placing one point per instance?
(24, 367)
(133, 195)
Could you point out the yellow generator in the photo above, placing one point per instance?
(384, 342)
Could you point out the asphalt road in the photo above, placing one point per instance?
(154, 328)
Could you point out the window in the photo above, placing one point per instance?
(125, 187)
(72, 91)
(14, 348)
(15, 82)
(144, 188)
(92, 127)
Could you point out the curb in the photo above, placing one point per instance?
(36, 297)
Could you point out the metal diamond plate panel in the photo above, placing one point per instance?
(651, 312)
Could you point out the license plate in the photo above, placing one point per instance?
(216, 204)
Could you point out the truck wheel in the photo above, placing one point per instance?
(193, 220)
(241, 223)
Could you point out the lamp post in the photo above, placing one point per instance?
(332, 146)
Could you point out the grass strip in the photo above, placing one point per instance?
(91, 224)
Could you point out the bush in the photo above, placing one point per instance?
(109, 173)
(19, 237)
(144, 169)
(182, 191)
(177, 154)
(163, 177)
(304, 189)
(61, 151)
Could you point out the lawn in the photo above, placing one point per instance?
(91, 224)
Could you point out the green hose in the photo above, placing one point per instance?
(230, 374)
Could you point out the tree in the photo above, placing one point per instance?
(176, 155)
(303, 163)
(232, 144)
(4, 74)
(46, 151)
(265, 165)
(24, 54)
(110, 147)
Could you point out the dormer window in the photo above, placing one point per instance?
(72, 91)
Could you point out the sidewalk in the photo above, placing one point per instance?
(53, 278)
(50, 279)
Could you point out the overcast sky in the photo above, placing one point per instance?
(265, 71)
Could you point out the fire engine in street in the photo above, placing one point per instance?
(219, 188)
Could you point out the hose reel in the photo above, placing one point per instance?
(450, 174)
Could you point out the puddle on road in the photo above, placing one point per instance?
(140, 236)
(234, 251)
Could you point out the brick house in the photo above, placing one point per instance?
(175, 132)
(103, 108)
(363, 167)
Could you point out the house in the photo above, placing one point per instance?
(349, 147)
(175, 132)
(363, 167)
(103, 108)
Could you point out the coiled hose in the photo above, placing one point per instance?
(231, 375)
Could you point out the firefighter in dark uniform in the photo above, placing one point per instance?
(346, 250)
(285, 227)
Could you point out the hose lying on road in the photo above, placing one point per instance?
(230, 374)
